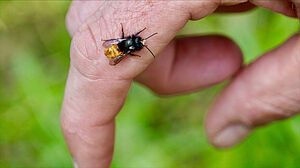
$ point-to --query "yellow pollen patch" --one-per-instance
(112, 51)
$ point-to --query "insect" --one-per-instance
(117, 49)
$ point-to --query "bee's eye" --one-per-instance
(138, 40)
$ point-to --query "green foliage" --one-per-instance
(151, 131)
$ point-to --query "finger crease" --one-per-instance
(94, 78)
(93, 36)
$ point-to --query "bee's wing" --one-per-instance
(116, 60)
(109, 43)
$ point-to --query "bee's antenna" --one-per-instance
(150, 51)
(140, 31)
(151, 36)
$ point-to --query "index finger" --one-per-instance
(95, 90)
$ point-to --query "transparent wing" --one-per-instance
(116, 60)
(109, 43)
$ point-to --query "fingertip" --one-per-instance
(231, 57)
(243, 7)
(191, 63)
(229, 136)
(262, 93)
(282, 7)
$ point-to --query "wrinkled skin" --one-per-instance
(265, 91)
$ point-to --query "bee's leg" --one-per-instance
(140, 31)
(123, 36)
(135, 55)
(150, 51)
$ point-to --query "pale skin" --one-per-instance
(267, 90)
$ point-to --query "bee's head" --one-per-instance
(139, 43)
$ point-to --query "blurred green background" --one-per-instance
(151, 131)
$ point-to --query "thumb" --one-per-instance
(265, 91)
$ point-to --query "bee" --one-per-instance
(117, 49)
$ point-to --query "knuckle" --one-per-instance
(263, 111)
(67, 126)
(85, 56)
(192, 8)
(85, 43)
(71, 130)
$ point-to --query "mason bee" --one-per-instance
(117, 49)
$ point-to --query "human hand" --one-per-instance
(96, 91)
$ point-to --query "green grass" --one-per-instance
(151, 131)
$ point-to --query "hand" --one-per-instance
(265, 91)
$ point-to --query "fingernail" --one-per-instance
(231, 135)
(75, 164)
